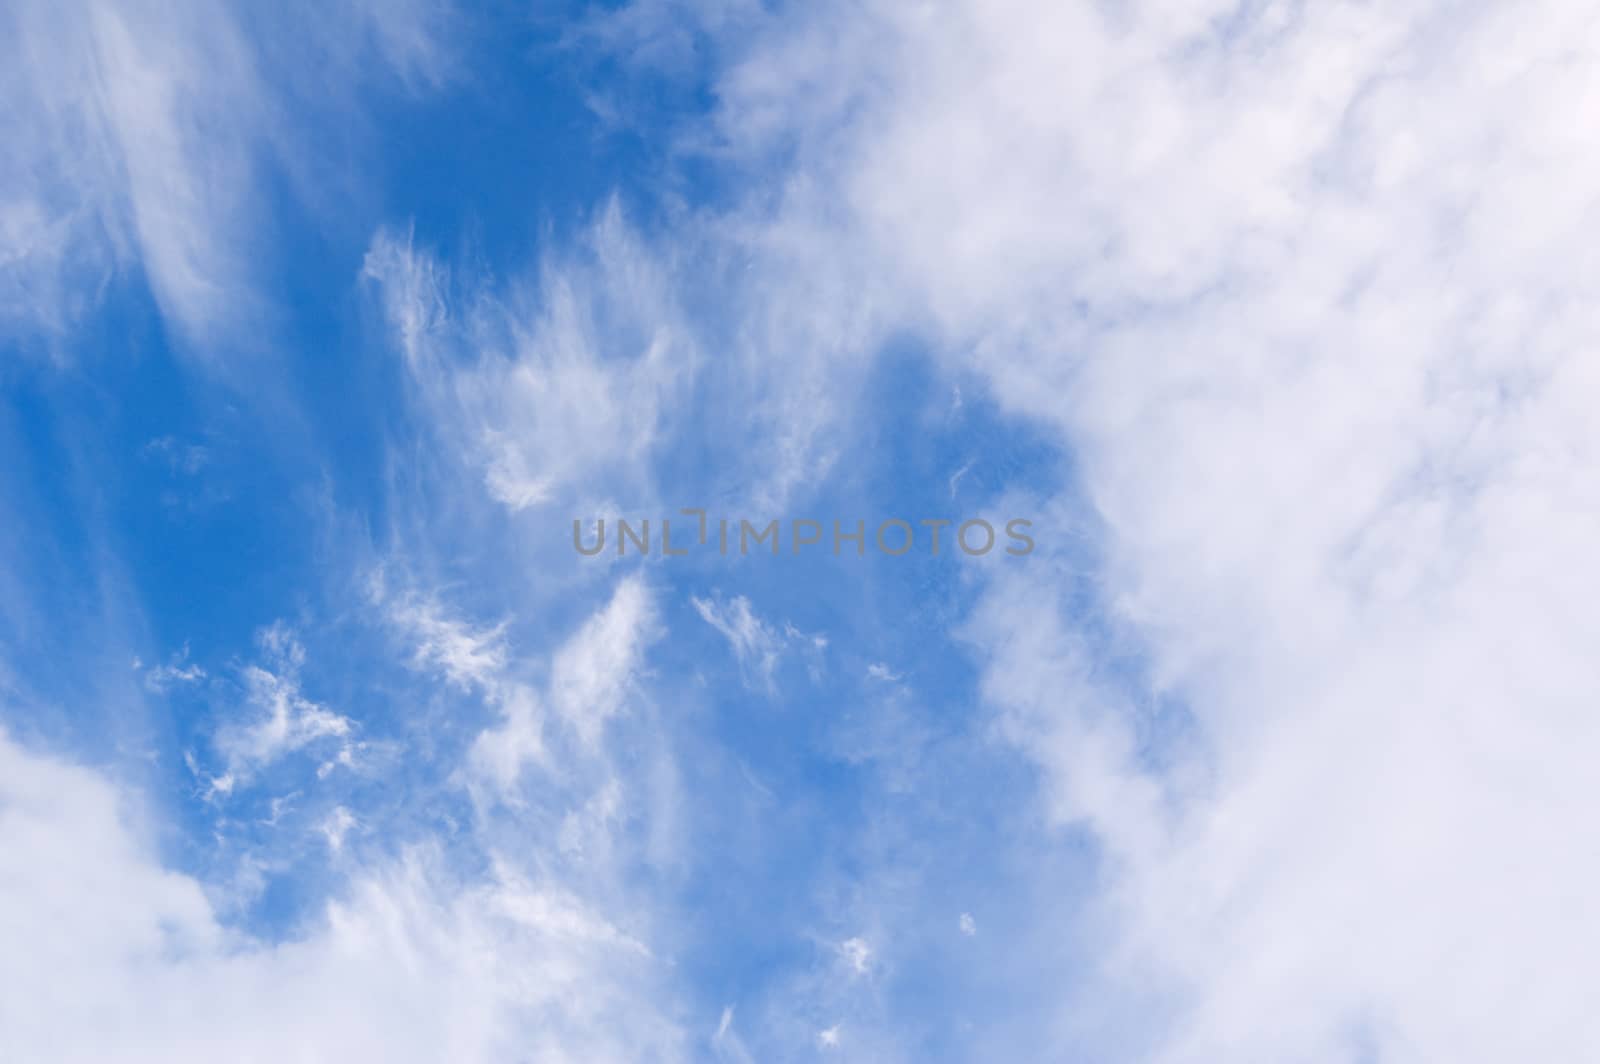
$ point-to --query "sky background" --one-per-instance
(321, 323)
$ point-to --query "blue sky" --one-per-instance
(320, 326)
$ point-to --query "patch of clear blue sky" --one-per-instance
(840, 781)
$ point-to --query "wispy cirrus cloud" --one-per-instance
(146, 137)
(277, 718)
(759, 646)
(591, 676)
(550, 388)
(530, 960)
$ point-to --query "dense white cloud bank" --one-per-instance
(1309, 292)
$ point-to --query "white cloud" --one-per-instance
(278, 719)
(113, 958)
(1308, 293)
(141, 134)
(516, 741)
(467, 656)
(175, 673)
(591, 677)
(726, 1043)
(755, 643)
(549, 386)
(758, 646)
(336, 827)
(955, 478)
(857, 954)
(594, 671)
(566, 388)
(285, 720)
(412, 958)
